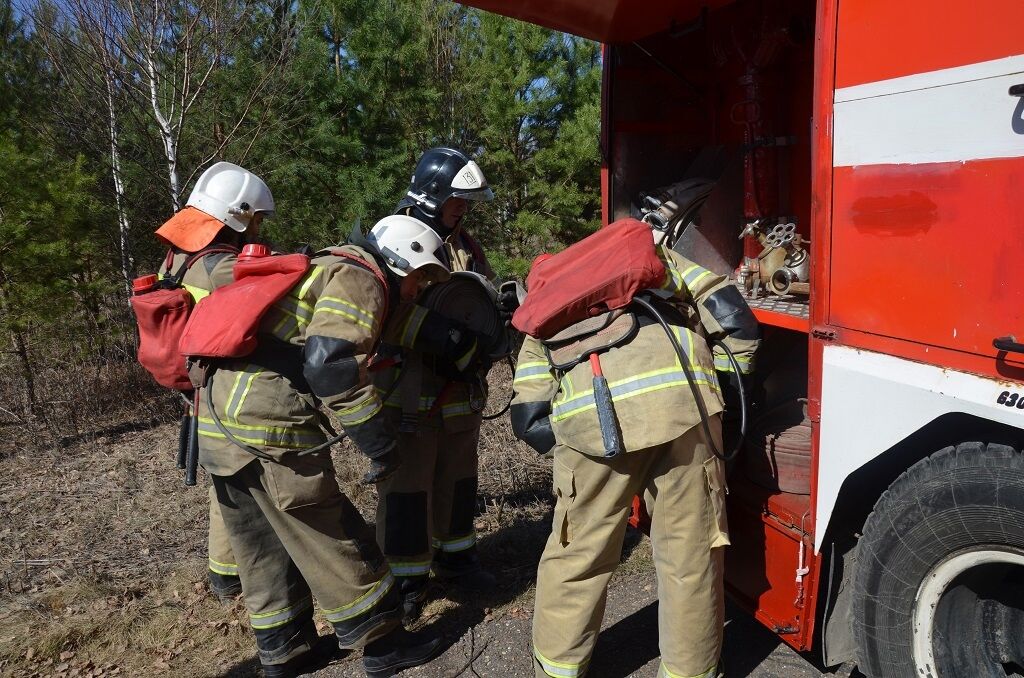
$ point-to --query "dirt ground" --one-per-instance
(102, 569)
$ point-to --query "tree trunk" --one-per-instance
(21, 350)
(167, 136)
(127, 263)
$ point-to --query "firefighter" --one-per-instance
(293, 532)
(426, 510)
(214, 221)
(667, 460)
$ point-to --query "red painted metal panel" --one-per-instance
(762, 563)
(881, 39)
(821, 233)
(930, 253)
(614, 21)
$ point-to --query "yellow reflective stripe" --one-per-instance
(364, 411)
(408, 569)
(663, 672)
(344, 305)
(351, 312)
(363, 602)
(198, 293)
(630, 388)
(532, 371)
(310, 277)
(272, 436)
(673, 279)
(270, 620)
(226, 569)
(457, 409)
(245, 394)
(558, 669)
(412, 326)
(694, 275)
(235, 392)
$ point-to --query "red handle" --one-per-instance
(595, 365)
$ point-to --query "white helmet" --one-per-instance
(407, 244)
(231, 194)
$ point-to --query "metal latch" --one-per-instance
(823, 333)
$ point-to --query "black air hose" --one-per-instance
(698, 399)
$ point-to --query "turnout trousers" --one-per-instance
(294, 533)
(221, 558)
(683, 488)
(426, 509)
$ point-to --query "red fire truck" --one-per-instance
(858, 165)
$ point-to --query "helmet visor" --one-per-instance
(484, 194)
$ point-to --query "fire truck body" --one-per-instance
(887, 527)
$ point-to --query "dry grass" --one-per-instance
(102, 549)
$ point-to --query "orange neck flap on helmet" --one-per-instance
(190, 230)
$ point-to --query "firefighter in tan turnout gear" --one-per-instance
(204, 239)
(293, 532)
(666, 460)
(425, 511)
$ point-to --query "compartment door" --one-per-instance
(928, 192)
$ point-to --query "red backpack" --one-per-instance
(601, 273)
(162, 309)
(226, 323)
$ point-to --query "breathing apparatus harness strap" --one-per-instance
(295, 376)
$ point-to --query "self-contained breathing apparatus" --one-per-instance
(585, 301)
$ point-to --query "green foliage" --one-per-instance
(331, 101)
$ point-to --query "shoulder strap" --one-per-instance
(474, 248)
(213, 249)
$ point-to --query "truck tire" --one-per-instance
(939, 581)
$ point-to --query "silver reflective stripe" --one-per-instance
(695, 274)
(456, 409)
(363, 603)
(346, 309)
(558, 669)
(271, 436)
(400, 569)
(456, 545)
(269, 620)
(412, 326)
(240, 389)
(532, 371)
(586, 400)
(362, 411)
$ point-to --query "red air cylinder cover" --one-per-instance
(144, 283)
(254, 251)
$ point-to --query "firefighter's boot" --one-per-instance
(413, 593)
(399, 650)
(462, 570)
(225, 586)
(294, 649)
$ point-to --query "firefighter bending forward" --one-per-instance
(204, 240)
(425, 511)
(292, 530)
(666, 460)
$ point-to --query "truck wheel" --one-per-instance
(939, 581)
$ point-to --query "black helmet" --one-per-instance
(444, 173)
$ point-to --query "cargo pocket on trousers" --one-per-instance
(298, 482)
(718, 523)
(565, 493)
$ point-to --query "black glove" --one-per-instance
(382, 466)
(464, 350)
